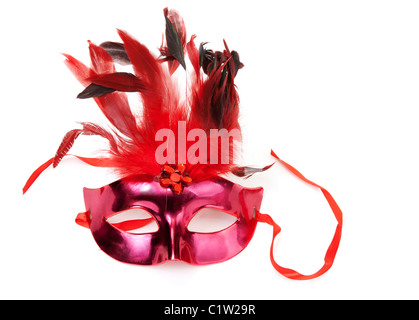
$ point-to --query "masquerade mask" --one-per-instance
(173, 240)
(172, 180)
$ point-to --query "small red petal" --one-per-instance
(175, 177)
(181, 168)
(168, 169)
(176, 188)
(186, 180)
(165, 182)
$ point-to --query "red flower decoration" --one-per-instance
(174, 177)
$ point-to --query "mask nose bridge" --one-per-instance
(173, 216)
(172, 232)
(176, 227)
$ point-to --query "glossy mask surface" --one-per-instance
(172, 240)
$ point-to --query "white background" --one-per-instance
(331, 86)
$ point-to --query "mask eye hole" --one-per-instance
(209, 220)
(135, 221)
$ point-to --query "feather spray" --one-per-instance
(212, 101)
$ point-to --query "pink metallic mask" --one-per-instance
(173, 240)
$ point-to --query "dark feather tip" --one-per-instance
(94, 90)
(174, 44)
(117, 51)
(247, 172)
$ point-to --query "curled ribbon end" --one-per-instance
(36, 174)
(274, 155)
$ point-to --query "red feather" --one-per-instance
(94, 129)
(193, 55)
(102, 62)
(120, 81)
(159, 96)
(79, 70)
(65, 145)
(145, 65)
(174, 41)
(115, 105)
(177, 21)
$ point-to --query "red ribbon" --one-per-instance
(333, 247)
(96, 162)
